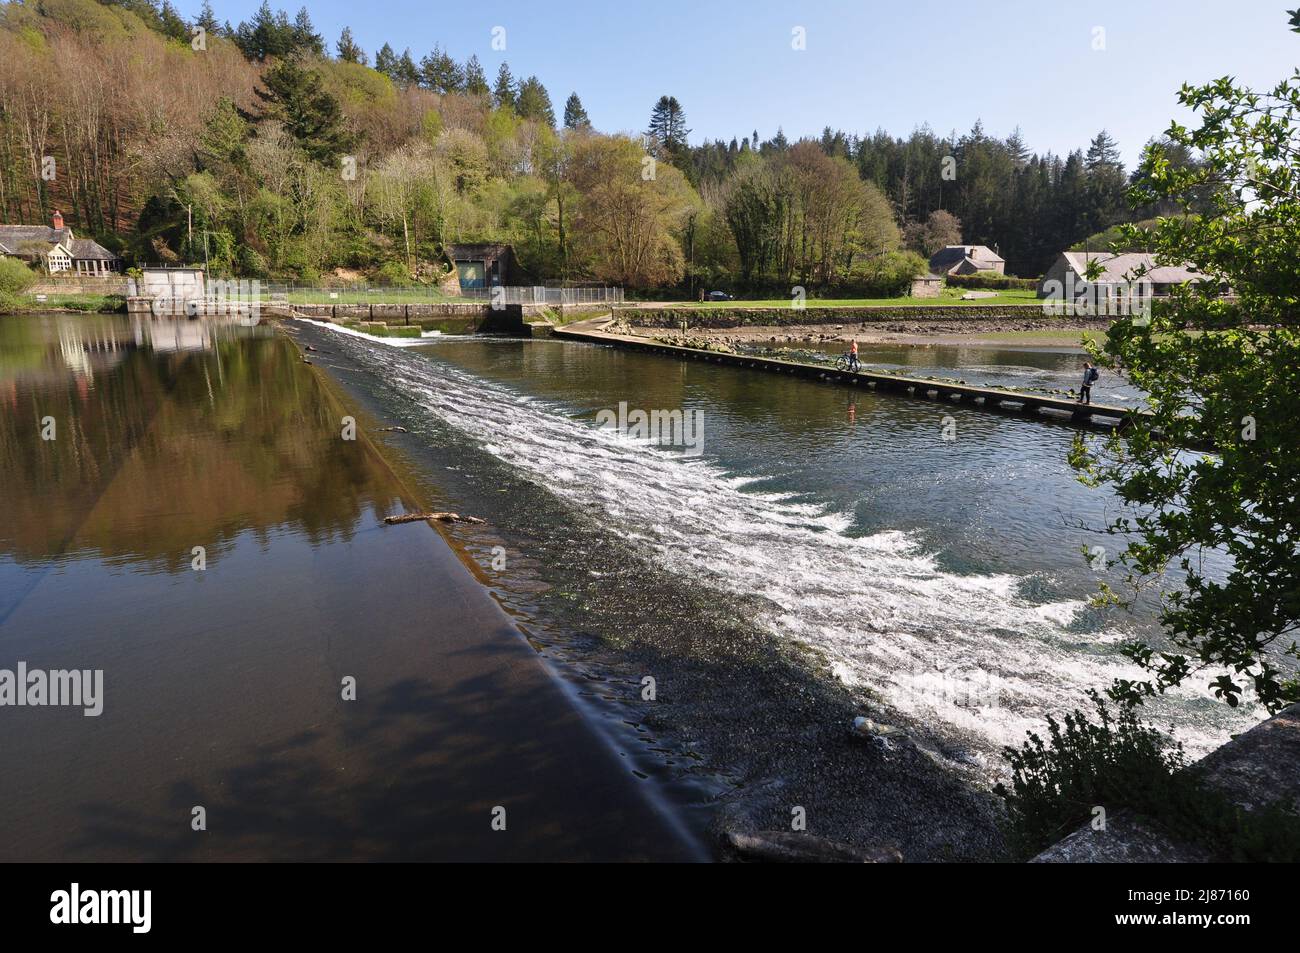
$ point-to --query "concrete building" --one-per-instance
(484, 265)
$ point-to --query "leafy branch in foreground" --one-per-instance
(1221, 371)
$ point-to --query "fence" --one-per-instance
(363, 293)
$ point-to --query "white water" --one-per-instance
(969, 652)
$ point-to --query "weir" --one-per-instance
(997, 400)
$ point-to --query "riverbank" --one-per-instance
(993, 333)
(74, 303)
(1023, 326)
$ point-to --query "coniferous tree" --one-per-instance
(575, 116)
(305, 37)
(172, 24)
(668, 124)
(348, 49)
(534, 102)
(296, 97)
(475, 81)
(440, 73)
(406, 72)
(208, 20)
(386, 62)
(503, 93)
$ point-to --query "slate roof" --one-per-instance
(16, 235)
(15, 239)
(946, 259)
(87, 249)
(1117, 268)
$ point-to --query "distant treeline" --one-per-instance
(265, 151)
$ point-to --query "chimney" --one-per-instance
(58, 219)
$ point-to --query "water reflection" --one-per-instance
(167, 435)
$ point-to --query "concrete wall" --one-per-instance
(448, 318)
(182, 284)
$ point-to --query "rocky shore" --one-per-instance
(1041, 332)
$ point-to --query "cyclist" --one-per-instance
(853, 356)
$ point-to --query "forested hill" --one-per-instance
(298, 157)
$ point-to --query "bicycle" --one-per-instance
(845, 362)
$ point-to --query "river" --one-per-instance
(828, 551)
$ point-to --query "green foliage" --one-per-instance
(1117, 762)
(440, 73)
(15, 277)
(504, 92)
(270, 34)
(294, 97)
(990, 281)
(1222, 372)
(348, 49)
(886, 276)
(533, 102)
(394, 273)
(1119, 238)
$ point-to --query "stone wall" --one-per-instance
(73, 286)
(1028, 317)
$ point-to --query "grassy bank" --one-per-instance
(89, 303)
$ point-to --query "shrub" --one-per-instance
(393, 273)
(1118, 762)
(15, 277)
(991, 281)
(886, 276)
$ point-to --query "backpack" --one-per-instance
(1093, 374)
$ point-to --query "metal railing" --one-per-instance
(365, 293)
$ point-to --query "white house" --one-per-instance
(56, 249)
(1071, 270)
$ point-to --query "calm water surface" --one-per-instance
(222, 682)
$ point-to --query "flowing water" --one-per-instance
(947, 576)
(945, 579)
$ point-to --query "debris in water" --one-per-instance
(393, 430)
(440, 517)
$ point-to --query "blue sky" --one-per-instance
(867, 64)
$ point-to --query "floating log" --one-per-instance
(393, 430)
(440, 517)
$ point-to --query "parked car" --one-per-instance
(720, 296)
